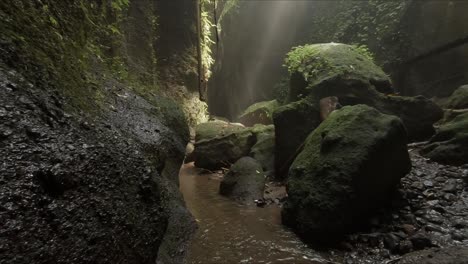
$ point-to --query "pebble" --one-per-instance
(428, 183)
(421, 241)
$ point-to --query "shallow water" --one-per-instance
(233, 233)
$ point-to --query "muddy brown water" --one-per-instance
(232, 233)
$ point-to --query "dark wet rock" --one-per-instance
(245, 181)
(404, 247)
(452, 255)
(74, 194)
(459, 98)
(408, 229)
(391, 242)
(343, 173)
(293, 123)
(259, 113)
(450, 144)
(421, 241)
(345, 72)
(219, 144)
(264, 149)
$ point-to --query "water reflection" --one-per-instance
(233, 233)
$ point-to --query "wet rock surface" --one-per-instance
(452, 255)
(450, 144)
(75, 189)
(459, 98)
(264, 149)
(348, 168)
(293, 123)
(259, 113)
(244, 182)
(428, 211)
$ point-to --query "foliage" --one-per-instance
(208, 27)
(206, 41)
(374, 23)
(312, 60)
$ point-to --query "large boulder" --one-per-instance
(348, 72)
(459, 98)
(450, 144)
(264, 149)
(349, 166)
(259, 113)
(244, 182)
(219, 144)
(216, 128)
(293, 123)
(332, 64)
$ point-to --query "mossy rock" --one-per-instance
(348, 72)
(244, 182)
(349, 167)
(459, 98)
(293, 123)
(219, 144)
(259, 113)
(450, 144)
(216, 128)
(264, 149)
(323, 65)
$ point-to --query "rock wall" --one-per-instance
(430, 25)
(93, 131)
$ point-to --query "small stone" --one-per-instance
(449, 197)
(417, 186)
(451, 187)
(408, 229)
(421, 241)
(405, 247)
(459, 236)
(434, 228)
(390, 242)
(428, 183)
(460, 223)
(71, 147)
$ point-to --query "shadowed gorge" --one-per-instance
(229, 131)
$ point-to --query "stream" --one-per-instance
(232, 233)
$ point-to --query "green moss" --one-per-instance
(259, 113)
(215, 129)
(459, 98)
(450, 144)
(318, 62)
(267, 107)
(344, 171)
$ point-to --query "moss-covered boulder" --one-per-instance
(332, 63)
(264, 149)
(459, 98)
(349, 166)
(348, 72)
(259, 113)
(293, 123)
(244, 182)
(219, 144)
(450, 144)
(216, 128)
